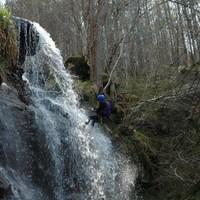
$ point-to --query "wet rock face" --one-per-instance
(27, 38)
(22, 144)
(13, 116)
(5, 188)
(15, 80)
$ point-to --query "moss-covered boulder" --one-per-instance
(86, 91)
(78, 66)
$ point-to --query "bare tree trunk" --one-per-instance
(196, 30)
(190, 36)
(92, 39)
(169, 23)
(185, 60)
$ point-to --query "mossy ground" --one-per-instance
(86, 91)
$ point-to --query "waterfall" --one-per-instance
(67, 160)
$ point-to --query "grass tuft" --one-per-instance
(8, 39)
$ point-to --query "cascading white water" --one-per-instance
(83, 162)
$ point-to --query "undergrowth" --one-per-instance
(8, 41)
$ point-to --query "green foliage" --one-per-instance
(5, 18)
(151, 85)
(144, 141)
(139, 87)
(86, 90)
(8, 41)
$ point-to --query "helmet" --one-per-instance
(101, 98)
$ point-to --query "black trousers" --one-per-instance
(94, 119)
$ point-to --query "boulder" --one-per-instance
(78, 66)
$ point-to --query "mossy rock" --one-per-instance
(78, 66)
(87, 92)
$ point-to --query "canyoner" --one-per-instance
(102, 112)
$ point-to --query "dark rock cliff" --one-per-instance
(18, 126)
(27, 39)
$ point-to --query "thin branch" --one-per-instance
(117, 44)
(121, 41)
(114, 67)
(176, 174)
(181, 158)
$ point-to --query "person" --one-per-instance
(102, 112)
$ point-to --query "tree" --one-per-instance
(153, 33)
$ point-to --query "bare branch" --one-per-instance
(181, 158)
(115, 65)
(176, 174)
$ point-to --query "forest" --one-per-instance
(144, 55)
(138, 37)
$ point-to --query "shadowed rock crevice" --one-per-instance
(27, 39)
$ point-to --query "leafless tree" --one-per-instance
(152, 33)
